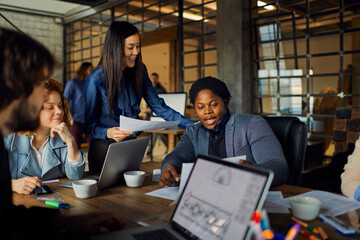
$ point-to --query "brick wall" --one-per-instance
(47, 30)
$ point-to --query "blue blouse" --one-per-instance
(97, 116)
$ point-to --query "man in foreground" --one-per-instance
(25, 64)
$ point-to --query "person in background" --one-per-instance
(115, 88)
(146, 111)
(350, 178)
(75, 93)
(224, 134)
(154, 77)
(24, 66)
(49, 152)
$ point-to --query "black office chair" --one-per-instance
(292, 135)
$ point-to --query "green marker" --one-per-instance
(55, 204)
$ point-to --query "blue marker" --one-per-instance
(55, 204)
(265, 226)
(339, 226)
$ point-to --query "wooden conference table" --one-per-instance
(133, 205)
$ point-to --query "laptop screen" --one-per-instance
(219, 199)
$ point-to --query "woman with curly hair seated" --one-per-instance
(50, 151)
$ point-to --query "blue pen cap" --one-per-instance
(64, 205)
(279, 236)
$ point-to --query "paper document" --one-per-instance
(332, 204)
(156, 175)
(67, 184)
(167, 193)
(185, 172)
(131, 124)
(275, 203)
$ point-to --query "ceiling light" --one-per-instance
(260, 3)
(269, 7)
(264, 4)
(191, 16)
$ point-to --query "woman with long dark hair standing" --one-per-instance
(115, 88)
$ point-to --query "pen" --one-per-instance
(50, 181)
(309, 236)
(55, 204)
(293, 232)
(322, 233)
(305, 225)
(44, 182)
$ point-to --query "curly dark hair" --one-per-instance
(217, 86)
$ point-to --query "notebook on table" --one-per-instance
(120, 157)
(218, 202)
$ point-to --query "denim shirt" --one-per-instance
(97, 116)
(75, 94)
(55, 163)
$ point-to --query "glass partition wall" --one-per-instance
(306, 54)
(192, 53)
(199, 41)
(306, 61)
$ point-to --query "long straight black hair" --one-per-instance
(111, 60)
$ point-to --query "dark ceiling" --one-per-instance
(92, 3)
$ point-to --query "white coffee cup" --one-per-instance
(84, 188)
(134, 178)
(305, 208)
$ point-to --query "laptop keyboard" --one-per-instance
(158, 234)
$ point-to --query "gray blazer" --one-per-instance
(248, 135)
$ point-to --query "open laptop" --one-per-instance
(120, 157)
(218, 202)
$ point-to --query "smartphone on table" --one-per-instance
(45, 189)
